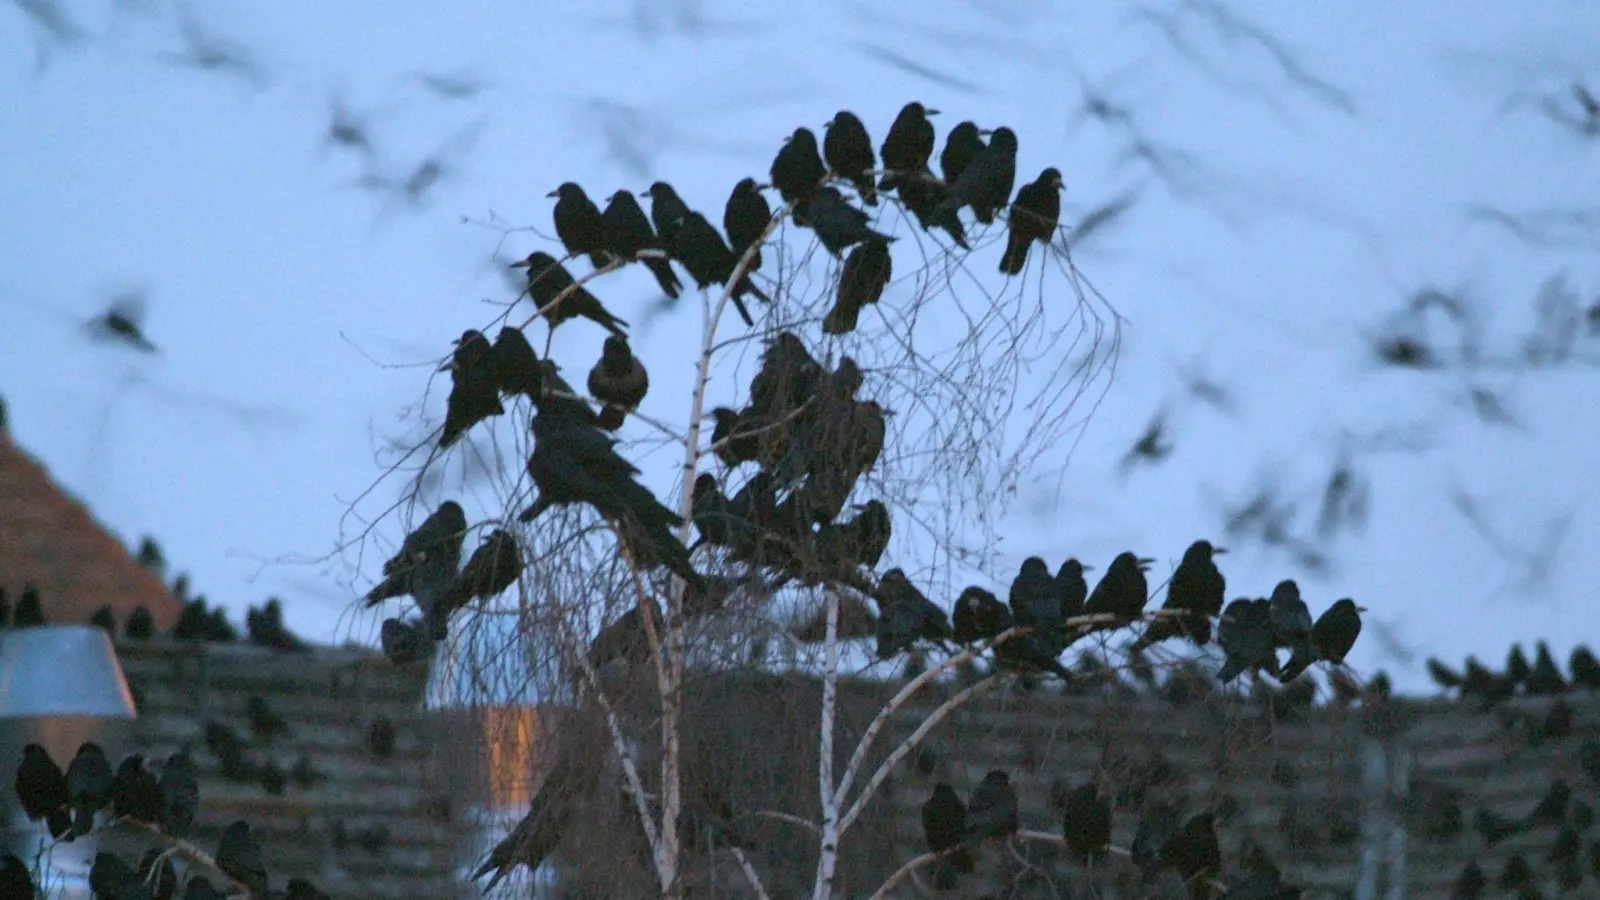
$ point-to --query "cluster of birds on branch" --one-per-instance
(1541, 678)
(90, 795)
(1162, 841)
(1558, 812)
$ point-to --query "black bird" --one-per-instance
(1195, 854)
(625, 231)
(797, 170)
(626, 638)
(696, 243)
(925, 197)
(1443, 675)
(1471, 883)
(494, 566)
(708, 507)
(240, 859)
(848, 151)
(548, 279)
(265, 722)
(907, 146)
(745, 219)
(962, 145)
(30, 609)
(1291, 625)
(1123, 591)
(906, 615)
(992, 808)
(1494, 828)
(575, 462)
(618, 378)
(180, 794)
(474, 386)
(979, 616)
(516, 365)
(16, 883)
(405, 643)
(265, 627)
(866, 273)
(944, 824)
(1585, 668)
(1245, 636)
(579, 225)
(40, 785)
(1072, 588)
(135, 793)
(1333, 635)
(1034, 216)
(837, 224)
(1517, 668)
(571, 781)
(1035, 601)
(986, 184)
(381, 735)
(1087, 824)
(112, 879)
(788, 377)
(1545, 679)
(729, 433)
(1195, 593)
(107, 621)
(428, 560)
(667, 210)
(88, 786)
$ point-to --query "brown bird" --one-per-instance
(619, 378)
(494, 566)
(1034, 216)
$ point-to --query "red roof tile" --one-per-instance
(49, 539)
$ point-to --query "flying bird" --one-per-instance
(121, 323)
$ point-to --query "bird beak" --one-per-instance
(644, 193)
(985, 132)
(448, 365)
(887, 412)
(1361, 609)
(1216, 550)
(763, 187)
(930, 112)
(552, 193)
(1146, 562)
(524, 264)
(1087, 568)
(828, 124)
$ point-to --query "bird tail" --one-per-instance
(387, 588)
(864, 186)
(1300, 660)
(532, 512)
(615, 325)
(743, 312)
(662, 270)
(984, 214)
(841, 319)
(611, 417)
(1016, 256)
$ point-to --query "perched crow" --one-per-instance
(1158, 825)
(88, 786)
(1195, 855)
(40, 785)
(1034, 216)
(907, 146)
(240, 859)
(625, 231)
(107, 621)
(571, 781)
(797, 170)
(1442, 675)
(1585, 668)
(266, 629)
(1196, 593)
(979, 616)
(1545, 678)
(838, 224)
(625, 638)
(848, 151)
(135, 793)
(1291, 624)
(141, 626)
(745, 219)
(1123, 590)
(667, 210)
(428, 560)
(1246, 638)
(474, 386)
(1072, 588)
(113, 879)
(405, 643)
(992, 808)
(925, 198)
(1332, 636)
(619, 379)
(944, 825)
(516, 365)
(30, 609)
(16, 882)
(986, 184)
(579, 224)
(180, 794)
(494, 566)
(696, 244)
(865, 274)
(906, 615)
(962, 145)
(1087, 824)
(549, 280)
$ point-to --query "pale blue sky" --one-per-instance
(1300, 201)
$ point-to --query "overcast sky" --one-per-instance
(1292, 177)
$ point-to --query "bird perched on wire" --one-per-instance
(1034, 216)
(579, 224)
(428, 561)
(986, 183)
(619, 379)
(847, 149)
(625, 231)
(797, 170)
(548, 280)
(474, 386)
